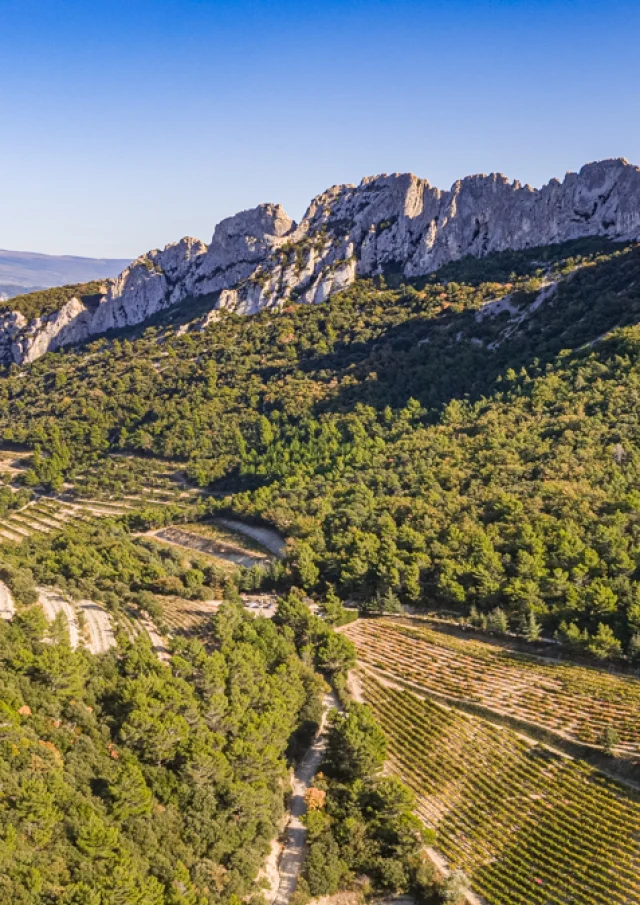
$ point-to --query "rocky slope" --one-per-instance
(261, 258)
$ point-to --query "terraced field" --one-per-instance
(193, 617)
(200, 539)
(91, 626)
(128, 476)
(187, 617)
(47, 514)
(574, 702)
(117, 485)
(528, 826)
(240, 535)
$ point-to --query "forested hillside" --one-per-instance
(162, 780)
(124, 781)
(470, 440)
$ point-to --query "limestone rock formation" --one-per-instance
(261, 258)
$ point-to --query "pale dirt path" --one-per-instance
(101, 634)
(294, 849)
(7, 605)
(265, 536)
(53, 603)
(157, 641)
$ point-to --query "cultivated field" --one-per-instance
(193, 617)
(201, 539)
(529, 826)
(575, 702)
(116, 486)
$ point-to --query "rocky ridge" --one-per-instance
(262, 259)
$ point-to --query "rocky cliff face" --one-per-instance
(261, 258)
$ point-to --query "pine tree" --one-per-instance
(533, 631)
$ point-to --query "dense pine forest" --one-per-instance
(123, 781)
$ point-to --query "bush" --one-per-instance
(21, 584)
(324, 868)
(455, 888)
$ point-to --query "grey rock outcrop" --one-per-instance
(261, 258)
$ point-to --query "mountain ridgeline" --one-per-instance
(396, 225)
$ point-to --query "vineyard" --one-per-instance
(218, 532)
(573, 701)
(529, 826)
(46, 515)
(186, 617)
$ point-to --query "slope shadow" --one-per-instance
(456, 355)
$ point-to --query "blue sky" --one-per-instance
(126, 125)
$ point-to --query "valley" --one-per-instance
(320, 512)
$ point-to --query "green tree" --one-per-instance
(604, 643)
(356, 745)
(609, 739)
(335, 653)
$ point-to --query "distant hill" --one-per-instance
(26, 271)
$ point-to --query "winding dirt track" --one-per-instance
(295, 845)
(101, 634)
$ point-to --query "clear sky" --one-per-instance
(126, 125)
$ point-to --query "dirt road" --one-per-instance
(294, 850)
(101, 635)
